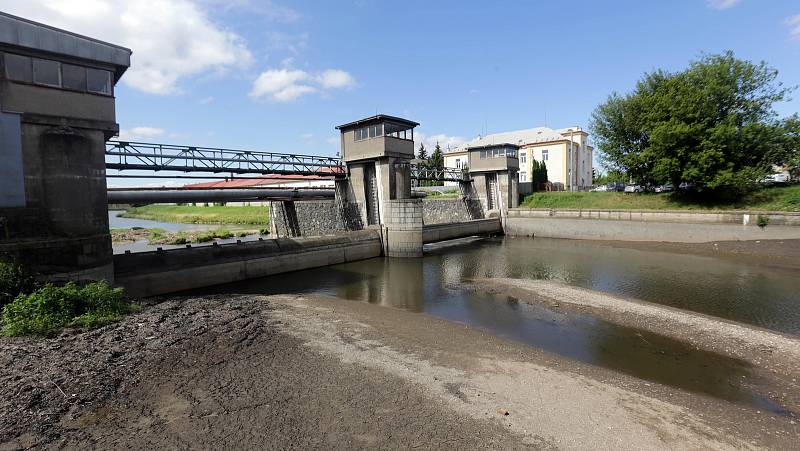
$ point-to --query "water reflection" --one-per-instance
(435, 285)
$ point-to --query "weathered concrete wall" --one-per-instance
(403, 228)
(671, 216)
(605, 229)
(315, 218)
(441, 232)
(441, 211)
(158, 272)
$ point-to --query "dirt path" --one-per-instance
(313, 373)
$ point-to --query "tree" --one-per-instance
(437, 157)
(712, 124)
(436, 161)
(422, 154)
(538, 174)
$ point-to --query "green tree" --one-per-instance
(422, 154)
(712, 124)
(436, 161)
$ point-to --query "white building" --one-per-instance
(565, 151)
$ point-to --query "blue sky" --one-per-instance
(279, 76)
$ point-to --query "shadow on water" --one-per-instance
(434, 285)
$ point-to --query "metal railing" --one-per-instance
(123, 155)
(421, 172)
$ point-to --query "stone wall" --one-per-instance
(442, 211)
(314, 218)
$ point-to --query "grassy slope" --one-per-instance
(769, 199)
(258, 216)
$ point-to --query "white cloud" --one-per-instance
(170, 39)
(335, 78)
(721, 4)
(264, 8)
(794, 24)
(206, 100)
(140, 133)
(285, 85)
(445, 141)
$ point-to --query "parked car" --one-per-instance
(668, 188)
(601, 188)
(777, 178)
(633, 188)
(686, 186)
(616, 186)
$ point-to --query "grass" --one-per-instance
(189, 214)
(446, 194)
(785, 198)
(51, 307)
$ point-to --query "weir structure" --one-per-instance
(57, 110)
(57, 118)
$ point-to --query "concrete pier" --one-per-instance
(56, 112)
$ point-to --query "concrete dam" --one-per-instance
(56, 145)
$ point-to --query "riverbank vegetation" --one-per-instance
(713, 124)
(767, 199)
(444, 194)
(161, 236)
(190, 214)
(52, 307)
(28, 307)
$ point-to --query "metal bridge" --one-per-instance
(139, 156)
(123, 155)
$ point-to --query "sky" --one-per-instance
(278, 76)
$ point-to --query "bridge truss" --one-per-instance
(123, 155)
(139, 156)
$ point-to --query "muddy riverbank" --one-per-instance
(311, 372)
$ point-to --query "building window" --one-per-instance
(98, 81)
(458, 163)
(47, 72)
(73, 77)
(523, 158)
(18, 68)
(523, 176)
(544, 155)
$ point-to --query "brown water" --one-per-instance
(434, 285)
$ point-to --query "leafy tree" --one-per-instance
(712, 124)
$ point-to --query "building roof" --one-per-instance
(27, 34)
(519, 137)
(378, 118)
(265, 180)
(500, 144)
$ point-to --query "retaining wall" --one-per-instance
(638, 225)
(441, 211)
(159, 272)
(440, 232)
(316, 218)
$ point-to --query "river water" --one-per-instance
(435, 285)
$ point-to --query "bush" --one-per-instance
(14, 280)
(762, 221)
(53, 307)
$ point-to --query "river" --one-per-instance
(435, 285)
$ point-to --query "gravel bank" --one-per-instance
(314, 373)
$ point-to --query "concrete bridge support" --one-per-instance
(377, 151)
(53, 205)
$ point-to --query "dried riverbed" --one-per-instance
(310, 372)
